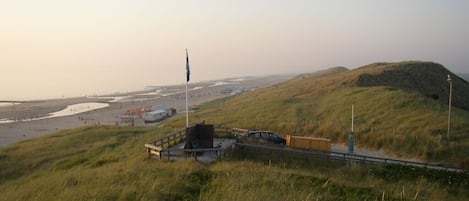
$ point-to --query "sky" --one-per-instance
(66, 48)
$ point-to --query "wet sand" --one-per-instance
(204, 91)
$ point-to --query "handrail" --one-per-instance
(181, 133)
(354, 157)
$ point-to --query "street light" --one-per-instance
(449, 105)
(351, 138)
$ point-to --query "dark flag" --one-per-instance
(188, 71)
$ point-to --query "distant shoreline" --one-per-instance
(124, 92)
(204, 91)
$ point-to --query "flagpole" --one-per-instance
(187, 83)
(187, 109)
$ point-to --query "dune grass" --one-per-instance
(403, 123)
(91, 163)
(266, 178)
(110, 163)
(96, 163)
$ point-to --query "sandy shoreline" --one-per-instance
(203, 92)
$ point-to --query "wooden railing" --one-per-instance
(161, 146)
(194, 153)
(230, 132)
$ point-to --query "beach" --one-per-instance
(30, 119)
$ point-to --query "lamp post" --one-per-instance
(449, 105)
(351, 137)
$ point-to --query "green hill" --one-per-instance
(399, 107)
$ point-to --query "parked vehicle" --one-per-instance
(266, 136)
(158, 115)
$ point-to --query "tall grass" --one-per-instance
(92, 163)
(262, 176)
(110, 163)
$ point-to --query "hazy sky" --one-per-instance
(55, 48)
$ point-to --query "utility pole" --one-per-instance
(449, 106)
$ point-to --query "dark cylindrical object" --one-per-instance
(351, 142)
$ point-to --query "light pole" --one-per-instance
(351, 138)
(449, 105)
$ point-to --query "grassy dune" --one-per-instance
(402, 122)
(109, 163)
(92, 163)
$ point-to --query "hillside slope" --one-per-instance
(426, 78)
(393, 113)
(465, 76)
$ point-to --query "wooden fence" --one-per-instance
(161, 146)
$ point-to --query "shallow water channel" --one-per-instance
(70, 110)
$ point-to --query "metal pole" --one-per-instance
(351, 137)
(187, 83)
(187, 109)
(352, 118)
(449, 105)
